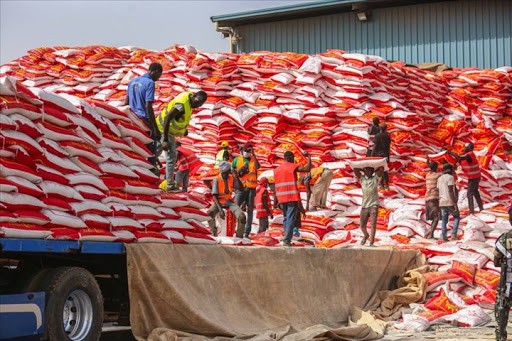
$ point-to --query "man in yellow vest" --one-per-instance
(319, 178)
(245, 169)
(223, 154)
(173, 121)
(222, 191)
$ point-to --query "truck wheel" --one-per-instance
(74, 305)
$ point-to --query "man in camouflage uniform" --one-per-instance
(503, 259)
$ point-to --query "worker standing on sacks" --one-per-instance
(140, 96)
(263, 204)
(320, 181)
(222, 191)
(369, 179)
(245, 169)
(173, 122)
(287, 192)
(471, 169)
(223, 154)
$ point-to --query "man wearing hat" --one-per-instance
(222, 191)
(448, 201)
(223, 154)
(245, 169)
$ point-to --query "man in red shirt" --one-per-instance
(471, 169)
(263, 204)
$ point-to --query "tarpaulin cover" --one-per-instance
(259, 293)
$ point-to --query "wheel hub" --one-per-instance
(77, 315)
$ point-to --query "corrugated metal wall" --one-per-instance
(463, 33)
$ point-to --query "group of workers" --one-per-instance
(241, 175)
(441, 195)
(237, 187)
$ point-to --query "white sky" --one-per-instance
(25, 25)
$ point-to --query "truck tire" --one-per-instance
(74, 305)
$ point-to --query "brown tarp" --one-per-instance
(412, 287)
(433, 67)
(258, 293)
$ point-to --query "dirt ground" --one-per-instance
(442, 332)
(447, 332)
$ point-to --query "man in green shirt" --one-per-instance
(369, 180)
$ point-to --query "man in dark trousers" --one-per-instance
(503, 259)
(245, 168)
(471, 169)
(448, 202)
(432, 209)
(287, 192)
(140, 95)
(382, 148)
(373, 130)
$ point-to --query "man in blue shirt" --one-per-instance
(140, 96)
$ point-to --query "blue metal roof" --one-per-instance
(309, 9)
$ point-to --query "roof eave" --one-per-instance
(306, 10)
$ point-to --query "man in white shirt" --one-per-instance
(370, 206)
(448, 201)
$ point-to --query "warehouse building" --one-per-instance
(459, 33)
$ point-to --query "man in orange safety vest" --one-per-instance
(222, 191)
(287, 192)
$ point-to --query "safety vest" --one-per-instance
(315, 174)
(472, 170)
(219, 158)
(249, 180)
(177, 127)
(223, 197)
(188, 160)
(261, 212)
(286, 183)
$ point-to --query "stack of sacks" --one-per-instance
(456, 295)
(319, 103)
(74, 166)
(484, 98)
(77, 169)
